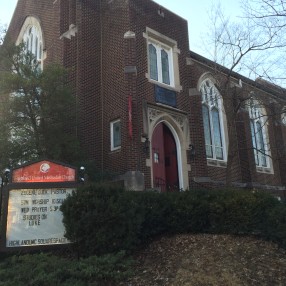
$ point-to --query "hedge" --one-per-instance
(105, 219)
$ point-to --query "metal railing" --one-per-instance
(164, 186)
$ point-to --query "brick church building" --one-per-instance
(148, 108)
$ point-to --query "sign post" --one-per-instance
(32, 200)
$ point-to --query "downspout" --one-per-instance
(101, 86)
(77, 76)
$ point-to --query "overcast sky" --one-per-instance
(196, 12)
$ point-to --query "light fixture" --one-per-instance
(147, 146)
(192, 152)
(6, 176)
(81, 174)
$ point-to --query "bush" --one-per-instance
(189, 212)
(46, 269)
(103, 219)
(155, 210)
(274, 226)
(239, 211)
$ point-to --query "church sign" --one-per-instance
(32, 201)
(43, 172)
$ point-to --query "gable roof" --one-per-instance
(264, 85)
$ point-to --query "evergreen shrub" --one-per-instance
(46, 269)
(102, 219)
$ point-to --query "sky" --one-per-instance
(196, 12)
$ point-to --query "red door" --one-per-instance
(164, 156)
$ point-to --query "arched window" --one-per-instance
(32, 40)
(212, 120)
(259, 134)
(31, 35)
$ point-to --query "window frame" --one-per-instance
(259, 135)
(160, 47)
(32, 40)
(162, 42)
(31, 35)
(112, 135)
(283, 116)
(212, 101)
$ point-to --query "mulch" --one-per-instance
(206, 260)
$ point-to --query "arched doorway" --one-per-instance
(164, 159)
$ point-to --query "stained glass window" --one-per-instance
(207, 132)
(258, 134)
(217, 134)
(212, 120)
(160, 63)
(153, 62)
(165, 67)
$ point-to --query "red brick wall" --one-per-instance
(145, 14)
(97, 57)
(244, 168)
(49, 16)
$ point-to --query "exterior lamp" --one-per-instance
(147, 146)
(192, 152)
(6, 175)
(81, 174)
(4, 181)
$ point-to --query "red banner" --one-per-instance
(43, 172)
(130, 129)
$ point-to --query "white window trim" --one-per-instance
(24, 36)
(160, 46)
(223, 125)
(170, 46)
(283, 116)
(265, 135)
(114, 148)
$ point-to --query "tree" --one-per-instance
(37, 109)
(269, 18)
(244, 45)
(245, 48)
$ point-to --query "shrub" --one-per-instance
(274, 226)
(155, 210)
(239, 211)
(46, 269)
(103, 219)
(188, 212)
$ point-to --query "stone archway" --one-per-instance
(174, 129)
(164, 159)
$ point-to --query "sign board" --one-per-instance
(43, 172)
(34, 217)
(32, 204)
